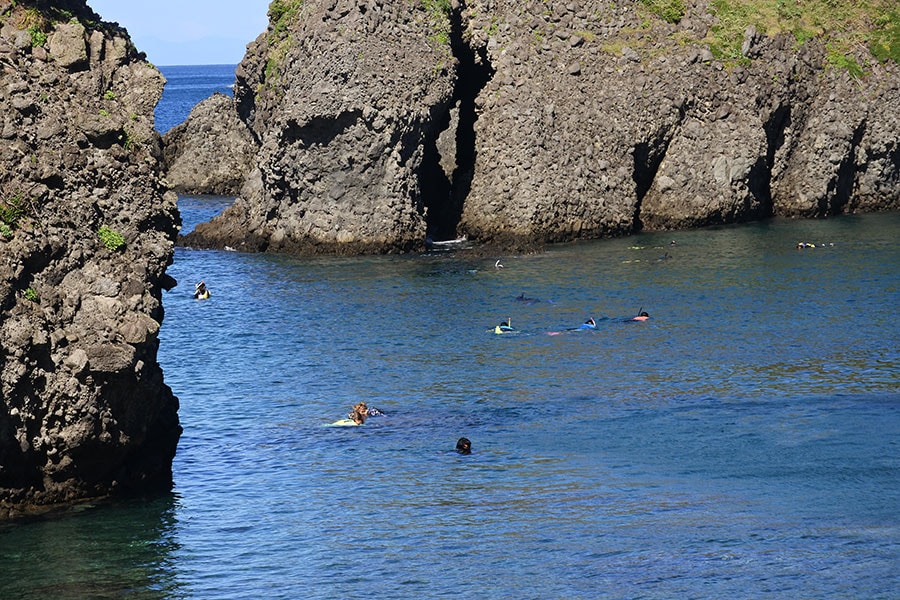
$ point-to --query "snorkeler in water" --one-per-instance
(201, 292)
(589, 324)
(504, 327)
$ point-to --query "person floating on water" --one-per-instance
(359, 414)
(201, 292)
(589, 324)
(642, 316)
(504, 327)
(374, 412)
(464, 446)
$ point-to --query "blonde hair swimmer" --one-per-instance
(201, 292)
(358, 415)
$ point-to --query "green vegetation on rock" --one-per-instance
(842, 24)
(282, 13)
(437, 8)
(670, 11)
(38, 37)
(885, 40)
(439, 15)
(12, 211)
(113, 240)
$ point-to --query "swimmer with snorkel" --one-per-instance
(641, 316)
(201, 292)
(589, 324)
(504, 327)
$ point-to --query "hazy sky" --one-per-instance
(188, 32)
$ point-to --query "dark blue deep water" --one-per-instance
(742, 443)
(188, 85)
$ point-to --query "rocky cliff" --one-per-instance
(606, 123)
(87, 230)
(212, 152)
(346, 100)
(382, 124)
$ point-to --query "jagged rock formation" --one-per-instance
(508, 121)
(87, 230)
(577, 140)
(211, 152)
(346, 100)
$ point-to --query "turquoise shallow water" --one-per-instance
(743, 442)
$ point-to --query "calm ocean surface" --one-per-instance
(742, 443)
(188, 85)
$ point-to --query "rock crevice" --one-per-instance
(521, 123)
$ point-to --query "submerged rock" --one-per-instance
(87, 229)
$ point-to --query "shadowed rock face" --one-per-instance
(86, 233)
(510, 121)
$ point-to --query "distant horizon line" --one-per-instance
(201, 65)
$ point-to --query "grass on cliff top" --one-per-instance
(844, 25)
(282, 13)
(39, 18)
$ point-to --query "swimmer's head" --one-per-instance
(464, 446)
(359, 413)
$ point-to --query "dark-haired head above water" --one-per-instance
(464, 446)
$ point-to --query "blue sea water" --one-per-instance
(186, 85)
(744, 442)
